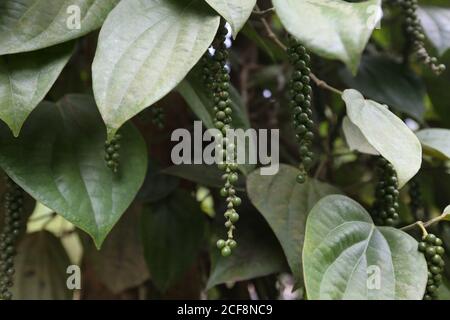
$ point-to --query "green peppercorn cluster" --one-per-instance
(416, 203)
(158, 117)
(416, 35)
(386, 195)
(112, 155)
(431, 247)
(300, 104)
(217, 79)
(9, 237)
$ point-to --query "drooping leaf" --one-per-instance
(59, 160)
(389, 82)
(333, 29)
(28, 25)
(434, 21)
(172, 232)
(287, 211)
(258, 252)
(235, 12)
(41, 265)
(155, 44)
(26, 78)
(435, 142)
(387, 133)
(346, 256)
(355, 139)
(120, 263)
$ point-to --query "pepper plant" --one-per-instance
(94, 93)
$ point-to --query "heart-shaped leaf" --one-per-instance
(434, 21)
(172, 232)
(355, 139)
(35, 24)
(41, 266)
(26, 78)
(236, 12)
(59, 160)
(287, 211)
(346, 256)
(389, 82)
(333, 29)
(386, 133)
(435, 142)
(145, 49)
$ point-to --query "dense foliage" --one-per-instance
(359, 91)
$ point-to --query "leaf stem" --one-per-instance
(271, 35)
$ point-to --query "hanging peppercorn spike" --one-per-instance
(300, 104)
(431, 247)
(13, 223)
(416, 35)
(112, 155)
(416, 202)
(217, 80)
(386, 195)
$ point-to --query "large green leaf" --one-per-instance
(172, 231)
(287, 211)
(345, 253)
(236, 12)
(435, 141)
(435, 24)
(386, 133)
(28, 25)
(334, 29)
(258, 252)
(145, 49)
(41, 266)
(26, 78)
(389, 82)
(59, 160)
